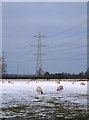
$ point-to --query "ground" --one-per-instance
(20, 101)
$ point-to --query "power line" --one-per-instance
(64, 50)
(23, 48)
(26, 61)
(68, 57)
(32, 51)
(67, 30)
(58, 39)
(62, 60)
(63, 44)
(23, 64)
(20, 57)
(71, 35)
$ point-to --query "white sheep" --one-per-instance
(73, 82)
(59, 88)
(82, 83)
(3, 81)
(39, 90)
(9, 81)
(58, 81)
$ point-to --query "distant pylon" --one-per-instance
(4, 66)
(39, 70)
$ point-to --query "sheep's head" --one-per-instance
(41, 92)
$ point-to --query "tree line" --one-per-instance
(47, 75)
(81, 75)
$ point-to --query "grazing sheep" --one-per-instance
(36, 81)
(9, 81)
(39, 90)
(58, 81)
(3, 81)
(27, 82)
(82, 83)
(72, 82)
(12, 82)
(59, 88)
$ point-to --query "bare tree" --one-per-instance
(0, 64)
(3, 65)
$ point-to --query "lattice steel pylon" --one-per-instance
(39, 70)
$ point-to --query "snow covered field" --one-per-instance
(19, 93)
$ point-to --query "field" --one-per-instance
(20, 101)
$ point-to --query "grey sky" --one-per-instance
(21, 21)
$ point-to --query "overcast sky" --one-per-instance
(21, 21)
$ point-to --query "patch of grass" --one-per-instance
(53, 102)
(56, 110)
(15, 109)
(3, 119)
(82, 116)
(31, 113)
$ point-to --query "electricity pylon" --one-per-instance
(4, 66)
(39, 70)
